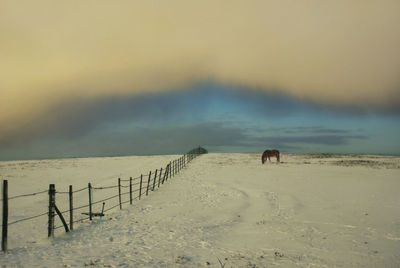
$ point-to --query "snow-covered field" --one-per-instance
(222, 210)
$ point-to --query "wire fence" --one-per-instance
(136, 188)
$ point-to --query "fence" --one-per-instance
(136, 188)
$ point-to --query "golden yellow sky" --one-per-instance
(341, 52)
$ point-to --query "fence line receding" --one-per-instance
(136, 187)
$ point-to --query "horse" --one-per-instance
(268, 154)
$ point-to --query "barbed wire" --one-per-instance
(26, 195)
(163, 176)
(84, 206)
(133, 179)
(108, 198)
(28, 218)
(105, 187)
(76, 191)
(126, 201)
(111, 207)
(81, 220)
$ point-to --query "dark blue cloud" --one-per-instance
(216, 136)
(313, 139)
(77, 117)
(223, 117)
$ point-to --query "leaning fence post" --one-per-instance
(148, 183)
(170, 170)
(165, 174)
(71, 209)
(130, 190)
(159, 178)
(5, 217)
(119, 193)
(154, 182)
(52, 197)
(90, 200)
(140, 189)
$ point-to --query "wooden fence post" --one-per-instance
(119, 193)
(71, 209)
(159, 178)
(148, 183)
(5, 217)
(170, 170)
(154, 182)
(52, 197)
(130, 190)
(90, 200)
(140, 189)
(165, 174)
(61, 218)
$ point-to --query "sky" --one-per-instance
(105, 78)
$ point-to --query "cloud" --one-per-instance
(207, 102)
(74, 118)
(342, 53)
(313, 139)
(314, 130)
(131, 141)
(159, 139)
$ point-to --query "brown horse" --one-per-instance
(268, 154)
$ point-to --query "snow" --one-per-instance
(221, 210)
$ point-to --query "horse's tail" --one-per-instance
(262, 159)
